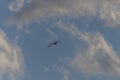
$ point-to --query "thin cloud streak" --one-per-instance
(53, 36)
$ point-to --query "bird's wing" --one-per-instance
(54, 43)
(50, 45)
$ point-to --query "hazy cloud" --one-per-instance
(60, 69)
(53, 35)
(64, 71)
(16, 5)
(69, 28)
(45, 68)
(107, 10)
(11, 59)
(99, 58)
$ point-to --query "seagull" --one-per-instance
(54, 43)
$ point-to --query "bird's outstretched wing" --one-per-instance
(50, 45)
(54, 43)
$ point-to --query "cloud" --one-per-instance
(11, 59)
(99, 58)
(69, 28)
(45, 68)
(53, 35)
(64, 71)
(16, 5)
(60, 69)
(66, 74)
(107, 10)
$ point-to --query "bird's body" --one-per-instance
(54, 43)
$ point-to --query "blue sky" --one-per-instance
(89, 34)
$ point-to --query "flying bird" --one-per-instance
(54, 43)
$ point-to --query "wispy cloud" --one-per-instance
(16, 5)
(45, 68)
(64, 71)
(98, 57)
(53, 35)
(107, 10)
(60, 69)
(11, 58)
